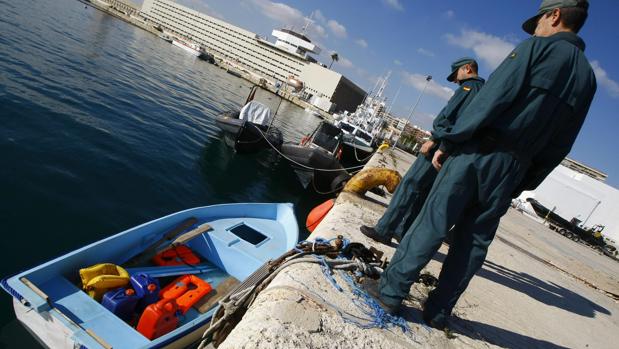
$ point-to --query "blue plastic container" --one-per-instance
(146, 288)
(121, 302)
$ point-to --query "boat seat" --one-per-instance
(89, 314)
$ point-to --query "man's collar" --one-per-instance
(571, 38)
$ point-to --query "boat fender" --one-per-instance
(186, 291)
(158, 319)
(100, 278)
(371, 178)
(176, 255)
(317, 214)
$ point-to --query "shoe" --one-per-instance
(372, 234)
(432, 321)
(371, 287)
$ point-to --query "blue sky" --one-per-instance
(416, 38)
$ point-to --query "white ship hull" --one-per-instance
(186, 47)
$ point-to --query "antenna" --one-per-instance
(308, 22)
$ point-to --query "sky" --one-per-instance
(415, 38)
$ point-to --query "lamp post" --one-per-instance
(428, 79)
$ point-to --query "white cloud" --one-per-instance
(397, 62)
(318, 30)
(338, 29)
(611, 86)
(345, 63)
(425, 52)
(280, 12)
(319, 16)
(395, 4)
(489, 48)
(449, 14)
(362, 43)
(418, 81)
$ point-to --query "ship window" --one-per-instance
(248, 234)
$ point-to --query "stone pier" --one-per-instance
(537, 289)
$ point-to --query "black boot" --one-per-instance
(372, 234)
(371, 287)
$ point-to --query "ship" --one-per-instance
(187, 46)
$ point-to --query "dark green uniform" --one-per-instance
(517, 129)
(416, 183)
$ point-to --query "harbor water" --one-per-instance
(104, 126)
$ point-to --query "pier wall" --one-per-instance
(535, 290)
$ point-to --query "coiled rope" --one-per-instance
(312, 252)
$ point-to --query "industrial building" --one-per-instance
(575, 190)
(288, 58)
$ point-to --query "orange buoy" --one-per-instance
(317, 214)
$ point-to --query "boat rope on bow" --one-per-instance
(300, 164)
(332, 255)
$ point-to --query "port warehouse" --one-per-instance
(577, 191)
(254, 53)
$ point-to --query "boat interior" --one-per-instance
(240, 239)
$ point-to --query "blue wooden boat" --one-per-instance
(49, 302)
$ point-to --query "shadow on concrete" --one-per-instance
(487, 333)
(545, 292)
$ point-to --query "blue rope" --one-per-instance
(370, 307)
(10, 290)
(327, 272)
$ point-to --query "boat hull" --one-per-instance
(55, 310)
(247, 137)
(355, 154)
(321, 181)
(186, 48)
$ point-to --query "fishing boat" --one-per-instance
(357, 144)
(316, 159)
(250, 129)
(230, 242)
(187, 46)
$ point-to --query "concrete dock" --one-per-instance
(537, 289)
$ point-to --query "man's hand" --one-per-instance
(438, 159)
(426, 147)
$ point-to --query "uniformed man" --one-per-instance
(415, 186)
(518, 128)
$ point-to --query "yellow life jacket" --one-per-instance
(100, 278)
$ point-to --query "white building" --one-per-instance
(575, 193)
(287, 58)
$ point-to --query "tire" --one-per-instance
(568, 234)
(562, 231)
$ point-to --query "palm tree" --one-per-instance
(334, 58)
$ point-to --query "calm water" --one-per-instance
(104, 126)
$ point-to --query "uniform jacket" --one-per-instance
(534, 103)
(460, 100)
